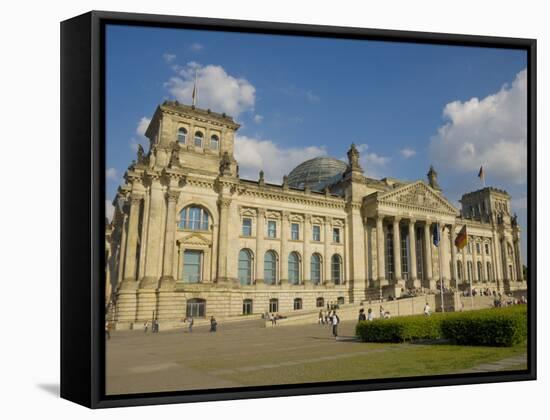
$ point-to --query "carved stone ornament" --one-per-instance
(225, 164)
(353, 158)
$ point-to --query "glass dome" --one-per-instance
(317, 173)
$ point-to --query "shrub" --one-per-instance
(501, 327)
(398, 330)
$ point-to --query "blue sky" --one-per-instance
(406, 105)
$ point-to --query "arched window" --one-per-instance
(459, 269)
(247, 306)
(316, 269)
(194, 218)
(245, 267)
(273, 305)
(297, 304)
(294, 268)
(489, 272)
(214, 142)
(336, 269)
(320, 302)
(196, 308)
(270, 267)
(480, 271)
(198, 139)
(182, 135)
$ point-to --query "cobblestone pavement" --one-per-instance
(178, 360)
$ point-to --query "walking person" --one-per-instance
(213, 324)
(321, 318)
(191, 321)
(335, 322)
(145, 326)
(362, 316)
(381, 312)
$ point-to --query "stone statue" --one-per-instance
(262, 180)
(353, 158)
(432, 178)
(285, 182)
(225, 164)
(140, 153)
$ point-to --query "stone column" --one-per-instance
(474, 260)
(412, 257)
(260, 251)
(454, 259)
(381, 261)
(428, 255)
(519, 263)
(325, 274)
(497, 266)
(224, 203)
(122, 251)
(397, 251)
(483, 261)
(169, 240)
(306, 266)
(131, 241)
(154, 234)
(464, 266)
(283, 261)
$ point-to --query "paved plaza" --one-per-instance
(247, 354)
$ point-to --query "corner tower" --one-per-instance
(195, 139)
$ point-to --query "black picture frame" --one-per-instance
(83, 213)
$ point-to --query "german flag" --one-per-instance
(462, 238)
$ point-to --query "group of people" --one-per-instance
(501, 301)
(369, 316)
(330, 318)
(154, 324)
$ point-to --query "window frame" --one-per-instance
(295, 233)
(272, 233)
(244, 226)
(198, 135)
(316, 229)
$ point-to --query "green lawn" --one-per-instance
(386, 361)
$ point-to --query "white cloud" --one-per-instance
(491, 132)
(254, 155)
(373, 164)
(195, 46)
(258, 118)
(407, 152)
(111, 174)
(109, 210)
(169, 58)
(216, 89)
(312, 98)
(142, 125)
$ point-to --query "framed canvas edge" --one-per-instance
(92, 394)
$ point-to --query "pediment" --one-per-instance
(195, 239)
(417, 195)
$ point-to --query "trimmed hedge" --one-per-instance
(502, 327)
(400, 329)
(489, 327)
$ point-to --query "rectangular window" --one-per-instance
(478, 249)
(271, 228)
(336, 235)
(487, 249)
(247, 226)
(273, 305)
(294, 231)
(316, 233)
(192, 266)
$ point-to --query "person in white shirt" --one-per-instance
(370, 316)
(427, 310)
(335, 322)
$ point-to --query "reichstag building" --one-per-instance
(190, 237)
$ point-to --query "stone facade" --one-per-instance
(188, 236)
